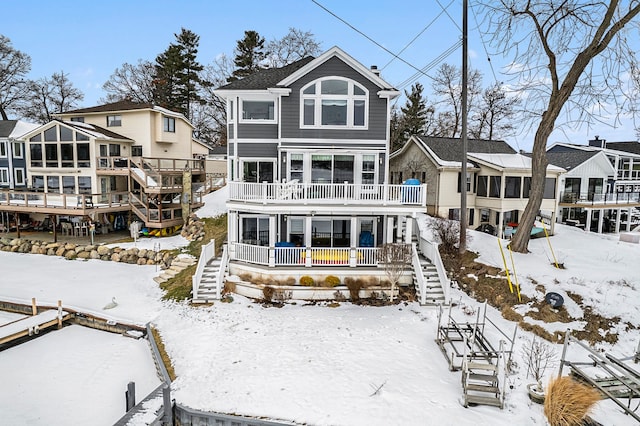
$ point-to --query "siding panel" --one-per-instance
(257, 131)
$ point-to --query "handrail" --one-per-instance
(224, 258)
(417, 268)
(345, 193)
(207, 252)
(432, 252)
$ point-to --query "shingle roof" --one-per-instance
(96, 131)
(267, 78)
(6, 127)
(123, 105)
(632, 147)
(569, 159)
(450, 149)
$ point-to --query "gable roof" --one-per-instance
(267, 78)
(283, 77)
(632, 147)
(450, 149)
(90, 130)
(502, 161)
(15, 128)
(123, 105)
(569, 159)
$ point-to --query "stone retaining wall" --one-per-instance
(131, 255)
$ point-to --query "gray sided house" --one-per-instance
(308, 170)
(13, 160)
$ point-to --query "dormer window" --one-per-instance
(334, 102)
(169, 124)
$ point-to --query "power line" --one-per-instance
(368, 38)
(419, 34)
(431, 65)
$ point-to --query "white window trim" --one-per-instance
(231, 113)
(357, 166)
(241, 102)
(13, 150)
(3, 149)
(6, 173)
(350, 98)
(15, 176)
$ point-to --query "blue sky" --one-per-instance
(89, 40)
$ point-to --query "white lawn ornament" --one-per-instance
(111, 305)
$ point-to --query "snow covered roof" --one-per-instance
(509, 161)
(14, 129)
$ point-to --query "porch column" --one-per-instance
(587, 226)
(618, 214)
(629, 210)
(408, 232)
(272, 240)
(307, 240)
(500, 224)
(389, 229)
(232, 234)
(600, 219)
(353, 252)
(553, 221)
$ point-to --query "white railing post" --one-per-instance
(415, 260)
(223, 266)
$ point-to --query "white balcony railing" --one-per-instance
(303, 256)
(344, 193)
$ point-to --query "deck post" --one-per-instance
(130, 396)
(34, 308)
(59, 314)
(168, 407)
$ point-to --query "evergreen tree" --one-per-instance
(414, 112)
(176, 79)
(249, 55)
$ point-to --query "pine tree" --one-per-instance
(414, 112)
(176, 79)
(249, 55)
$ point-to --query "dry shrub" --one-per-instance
(267, 293)
(289, 281)
(448, 232)
(354, 285)
(568, 402)
(307, 281)
(509, 314)
(331, 281)
(229, 287)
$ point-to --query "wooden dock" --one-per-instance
(33, 325)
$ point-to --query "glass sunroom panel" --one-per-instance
(321, 168)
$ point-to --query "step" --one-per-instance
(159, 279)
(482, 388)
(171, 272)
(479, 366)
(482, 377)
(483, 400)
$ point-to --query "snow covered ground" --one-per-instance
(348, 365)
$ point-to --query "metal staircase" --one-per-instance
(480, 382)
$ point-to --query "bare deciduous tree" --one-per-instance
(49, 96)
(538, 357)
(493, 118)
(568, 55)
(297, 44)
(447, 86)
(395, 257)
(14, 66)
(134, 82)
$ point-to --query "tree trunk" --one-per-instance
(3, 113)
(520, 241)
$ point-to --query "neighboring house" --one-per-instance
(13, 166)
(308, 171)
(601, 191)
(138, 160)
(498, 179)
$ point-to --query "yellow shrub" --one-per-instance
(331, 281)
(307, 281)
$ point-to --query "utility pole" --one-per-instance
(463, 172)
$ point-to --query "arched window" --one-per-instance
(334, 102)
